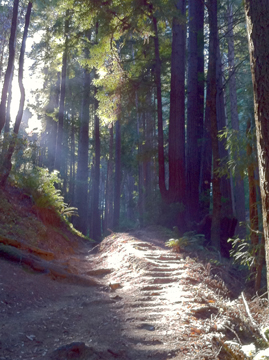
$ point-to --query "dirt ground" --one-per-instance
(144, 302)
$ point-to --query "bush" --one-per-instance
(243, 252)
(188, 239)
(39, 184)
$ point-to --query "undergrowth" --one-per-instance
(189, 240)
(40, 186)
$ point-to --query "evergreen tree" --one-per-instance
(258, 34)
(195, 106)
(211, 99)
(7, 160)
(8, 74)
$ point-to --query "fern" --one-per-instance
(69, 211)
(39, 184)
(243, 252)
(189, 238)
(177, 244)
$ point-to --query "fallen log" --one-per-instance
(46, 255)
(56, 272)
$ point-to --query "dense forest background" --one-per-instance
(145, 110)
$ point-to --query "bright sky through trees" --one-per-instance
(32, 81)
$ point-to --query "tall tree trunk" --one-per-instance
(130, 186)
(253, 209)
(95, 230)
(81, 188)
(211, 102)
(141, 167)
(51, 124)
(109, 184)
(141, 138)
(59, 145)
(257, 17)
(176, 192)
(239, 183)
(7, 161)
(7, 123)
(148, 147)
(96, 223)
(260, 263)
(3, 48)
(65, 161)
(177, 108)
(162, 186)
(117, 191)
(72, 160)
(12, 44)
(206, 165)
(155, 140)
(195, 105)
(225, 184)
(102, 194)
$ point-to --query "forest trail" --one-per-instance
(148, 303)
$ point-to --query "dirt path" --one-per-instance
(151, 303)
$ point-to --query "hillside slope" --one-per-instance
(22, 221)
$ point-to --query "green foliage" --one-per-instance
(39, 184)
(189, 238)
(177, 244)
(23, 149)
(238, 160)
(215, 262)
(77, 232)
(243, 252)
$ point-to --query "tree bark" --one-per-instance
(141, 167)
(253, 212)
(257, 17)
(109, 184)
(260, 263)
(177, 108)
(176, 192)
(72, 160)
(239, 183)
(206, 165)
(162, 186)
(51, 124)
(59, 145)
(117, 191)
(7, 123)
(12, 43)
(195, 105)
(95, 230)
(7, 161)
(3, 48)
(81, 187)
(149, 143)
(211, 102)
(225, 184)
(253, 209)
